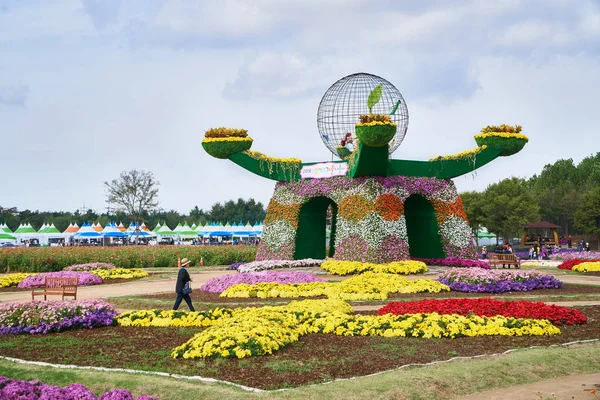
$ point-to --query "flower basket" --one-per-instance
(224, 147)
(375, 134)
(508, 143)
(343, 152)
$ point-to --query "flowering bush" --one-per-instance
(235, 266)
(256, 266)
(13, 279)
(225, 132)
(89, 267)
(219, 284)
(120, 273)
(45, 259)
(83, 278)
(34, 390)
(454, 262)
(175, 318)
(354, 267)
(371, 226)
(54, 316)
(582, 255)
(366, 286)
(496, 281)
(569, 264)
(588, 267)
(488, 308)
(264, 330)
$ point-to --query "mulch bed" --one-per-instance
(315, 358)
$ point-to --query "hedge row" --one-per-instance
(47, 259)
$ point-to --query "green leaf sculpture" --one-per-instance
(395, 107)
(374, 97)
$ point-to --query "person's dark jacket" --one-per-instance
(183, 277)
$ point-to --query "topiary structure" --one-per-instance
(383, 209)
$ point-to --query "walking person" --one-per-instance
(182, 287)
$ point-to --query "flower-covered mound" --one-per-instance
(264, 330)
(367, 286)
(496, 281)
(488, 308)
(120, 273)
(256, 266)
(454, 262)
(11, 280)
(355, 267)
(587, 267)
(36, 390)
(371, 225)
(219, 284)
(83, 278)
(89, 267)
(54, 316)
(569, 264)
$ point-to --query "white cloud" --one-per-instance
(137, 87)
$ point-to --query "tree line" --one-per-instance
(230, 211)
(563, 193)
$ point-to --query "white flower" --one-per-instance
(457, 232)
(278, 233)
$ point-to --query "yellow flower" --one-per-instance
(461, 155)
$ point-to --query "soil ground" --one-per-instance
(294, 365)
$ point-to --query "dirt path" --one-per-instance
(576, 387)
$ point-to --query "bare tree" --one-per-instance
(133, 192)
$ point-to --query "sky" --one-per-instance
(90, 88)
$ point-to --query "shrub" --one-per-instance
(34, 259)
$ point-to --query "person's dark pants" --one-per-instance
(187, 298)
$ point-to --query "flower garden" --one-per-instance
(297, 315)
(294, 312)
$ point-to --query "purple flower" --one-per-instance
(218, 285)
(83, 278)
(54, 316)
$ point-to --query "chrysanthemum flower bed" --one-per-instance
(12, 280)
(89, 267)
(367, 286)
(219, 284)
(477, 280)
(257, 331)
(256, 266)
(455, 262)
(34, 390)
(355, 267)
(120, 273)
(587, 267)
(488, 308)
(54, 316)
(83, 278)
(569, 264)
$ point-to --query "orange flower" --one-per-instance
(355, 207)
(277, 211)
(389, 206)
(444, 210)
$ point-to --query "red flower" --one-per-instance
(488, 308)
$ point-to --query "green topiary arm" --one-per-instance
(442, 169)
(277, 171)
